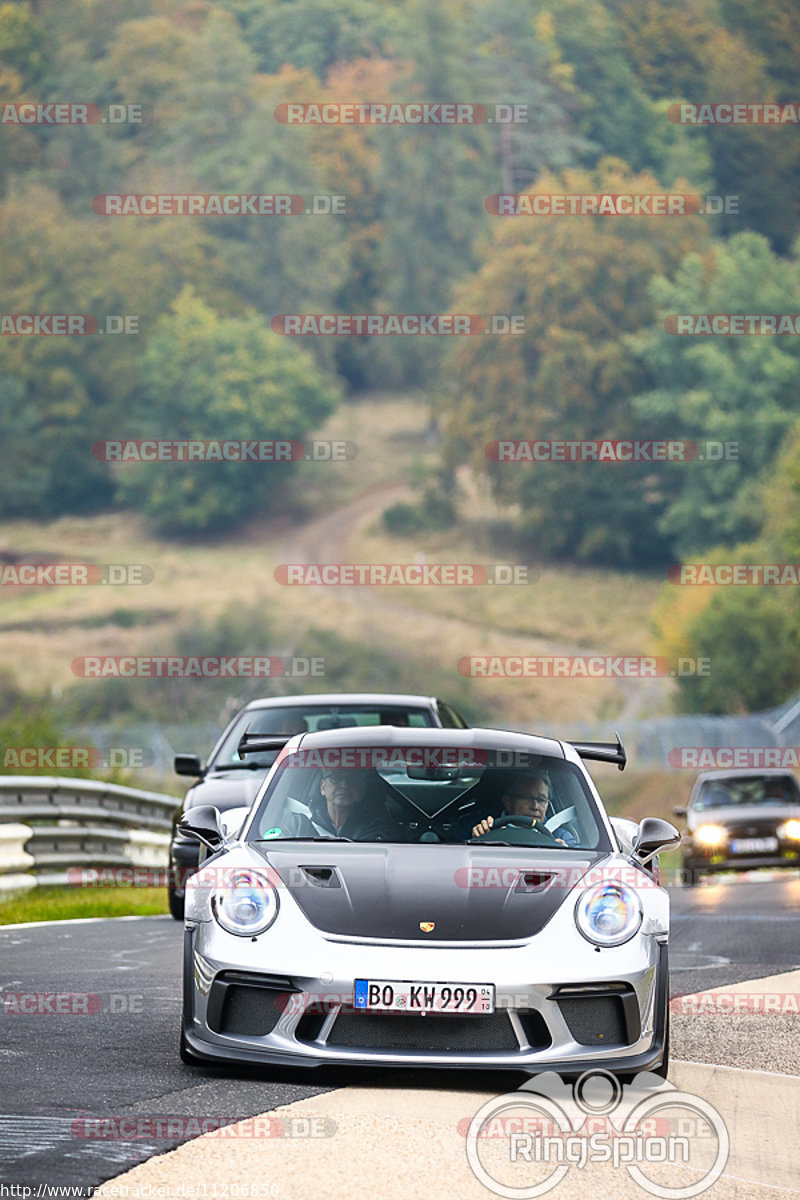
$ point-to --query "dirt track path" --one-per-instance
(327, 539)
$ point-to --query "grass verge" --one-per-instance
(68, 903)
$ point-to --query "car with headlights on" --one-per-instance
(229, 781)
(741, 819)
(369, 913)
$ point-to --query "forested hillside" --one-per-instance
(193, 96)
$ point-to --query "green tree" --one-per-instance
(752, 640)
(227, 378)
(581, 284)
(742, 390)
(317, 34)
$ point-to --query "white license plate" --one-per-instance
(393, 995)
(754, 845)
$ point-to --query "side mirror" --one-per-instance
(680, 810)
(654, 836)
(188, 764)
(203, 823)
(232, 820)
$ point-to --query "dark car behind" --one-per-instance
(229, 781)
(740, 820)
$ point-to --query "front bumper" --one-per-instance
(695, 858)
(590, 1009)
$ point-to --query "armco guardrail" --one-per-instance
(49, 825)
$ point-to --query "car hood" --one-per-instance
(226, 789)
(466, 893)
(744, 814)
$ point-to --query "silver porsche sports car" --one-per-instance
(428, 897)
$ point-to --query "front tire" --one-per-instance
(176, 903)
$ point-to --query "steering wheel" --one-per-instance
(511, 821)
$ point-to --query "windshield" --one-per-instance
(309, 718)
(429, 794)
(752, 789)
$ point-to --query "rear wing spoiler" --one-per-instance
(612, 752)
(256, 743)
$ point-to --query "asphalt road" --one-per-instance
(116, 1054)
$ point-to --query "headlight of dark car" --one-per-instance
(710, 836)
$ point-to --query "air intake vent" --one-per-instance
(246, 1004)
(322, 876)
(378, 1031)
(595, 1020)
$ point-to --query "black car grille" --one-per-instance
(444, 1035)
(247, 1005)
(748, 829)
(596, 1020)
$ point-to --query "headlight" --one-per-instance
(247, 906)
(710, 836)
(790, 830)
(608, 915)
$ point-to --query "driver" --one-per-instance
(528, 795)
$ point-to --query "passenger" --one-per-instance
(346, 811)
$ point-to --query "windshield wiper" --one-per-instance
(289, 838)
(480, 842)
(240, 766)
